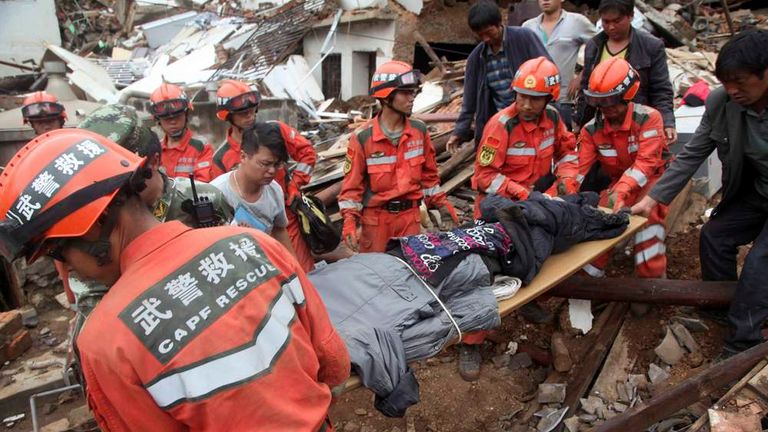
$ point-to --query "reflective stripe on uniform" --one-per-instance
(503, 119)
(546, 143)
(608, 152)
(649, 232)
(383, 160)
(347, 204)
(650, 133)
(649, 253)
(525, 151)
(638, 175)
(496, 184)
(414, 153)
(632, 148)
(567, 158)
(305, 168)
(593, 271)
(242, 364)
(579, 178)
(184, 168)
(434, 190)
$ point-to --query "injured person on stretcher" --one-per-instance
(430, 289)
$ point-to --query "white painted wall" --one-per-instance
(377, 36)
(24, 26)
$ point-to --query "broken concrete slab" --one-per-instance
(520, 361)
(656, 374)
(15, 396)
(580, 314)
(501, 360)
(669, 351)
(591, 404)
(551, 393)
(551, 420)
(684, 337)
(572, 424)
(692, 324)
(722, 421)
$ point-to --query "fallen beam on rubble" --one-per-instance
(659, 291)
(329, 194)
(607, 327)
(457, 159)
(687, 392)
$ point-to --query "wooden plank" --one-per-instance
(606, 328)
(559, 267)
(458, 179)
(759, 382)
(616, 368)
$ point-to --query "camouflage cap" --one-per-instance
(121, 124)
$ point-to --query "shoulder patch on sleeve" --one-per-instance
(487, 155)
(419, 125)
(553, 114)
(198, 143)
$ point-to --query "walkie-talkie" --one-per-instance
(202, 208)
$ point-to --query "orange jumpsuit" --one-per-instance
(515, 153)
(634, 156)
(216, 329)
(382, 179)
(300, 149)
(193, 155)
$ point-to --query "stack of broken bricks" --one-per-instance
(14, 338)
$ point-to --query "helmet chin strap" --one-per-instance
(178, 134)
(402, 113)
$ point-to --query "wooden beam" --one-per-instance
(438, 117)
(431, 53)
(457, 159)
(658, 291)
(459, 179)
(606, 329)
(687, 392)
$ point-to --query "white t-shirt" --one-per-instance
(267, 212)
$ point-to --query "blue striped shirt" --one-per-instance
(499, 79)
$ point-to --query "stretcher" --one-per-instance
(556, 269)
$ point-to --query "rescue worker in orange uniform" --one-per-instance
(43, 112)
(628, 141)
(210, 329)
(526, 146)
(390, 166)
(183, 153)
(238, 103)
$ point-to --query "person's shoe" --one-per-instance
(534, 313)
(469, 362)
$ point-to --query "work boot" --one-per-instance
(469, 362)
(534, 313)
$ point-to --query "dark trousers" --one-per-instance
(741, 222)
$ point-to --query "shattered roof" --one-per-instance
(275, 38)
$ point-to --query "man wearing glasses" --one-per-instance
(237, 103)
(251, 188)
(183, 154)
(390, 166)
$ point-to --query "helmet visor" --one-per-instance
(42, 109)
(243, 101)
(603, 100)
(410, 79)
(168, 108)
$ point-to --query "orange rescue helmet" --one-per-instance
(42, 106)
(391, 76)
(537, 77)
(57, 186)
(169, 100)
(612, 82)
(234, 96)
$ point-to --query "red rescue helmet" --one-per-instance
(234, 96)
(57, 186)
(537, 77)
(612, 82)
(42, 106)
(169, 100)
(391, 76)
